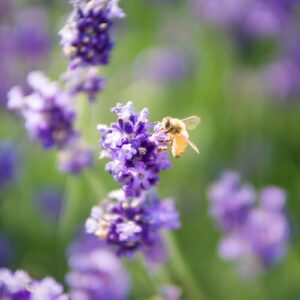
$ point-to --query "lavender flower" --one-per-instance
(6, 8)
(280, 77)
(85, 80)
(6, 250)
(19, 286)
(231, 202)
(252, 242)
(49, 201)
(33, 42)
(86, 37)
(9, 159)
(74, 158)
(23, 45)
(95, 273)
(135, 158)
(161, 65)
(131, 224)
(47, 111)
(251, 17)
(267, 242)
(171, 292)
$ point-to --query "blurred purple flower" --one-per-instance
(50, 203)
(9, 162)
(84, 80)
(131, 224)
(281, 77)
(6, 250)
(171, 292)
(47, 111)
(267, 233)
(6, 8)
(253, 17)
(95, 272)
(32, 36)
(86, 38)
(74, 158)
(161, 65)
(231, 201)
(23, 46)
(135, 159)
(273, 198)
(19, 286)
(8, 61)
(252, 241)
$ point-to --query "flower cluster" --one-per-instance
(255, 226)
(75, 158)
(6, 250)
(253, 17)
(282, 74)
(22, 43)
(47, 111)
(95, 272)
(19, 286)
(131, 224)
(257, 22)
(132, 147)
(9, 159)
(87, 41)
(84, 80)
(49, 116)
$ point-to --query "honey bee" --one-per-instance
(177, 131)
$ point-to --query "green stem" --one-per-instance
(180, 268)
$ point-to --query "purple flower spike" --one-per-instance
(267, 233)
(86, 37)
(257, 18)
(19, 286)
(260, 238)
(96, 273)
(131, 146)
(47, 111)
(162, 65)
(132, 224)
(85, 80)
(273, 198)
(6, 250)
(75, 158)
(9, 159)
(33, 41)
(49, 201)
(231, 202)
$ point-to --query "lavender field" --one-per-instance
(149, 150)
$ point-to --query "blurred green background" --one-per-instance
(242, 129)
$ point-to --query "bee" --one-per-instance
(177, 131)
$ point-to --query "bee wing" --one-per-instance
(179, 145)
(193, 146)
(191, 122)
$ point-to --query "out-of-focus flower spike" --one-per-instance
(47, 111)
(75, 157)
(95, 272)
(85, 80)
